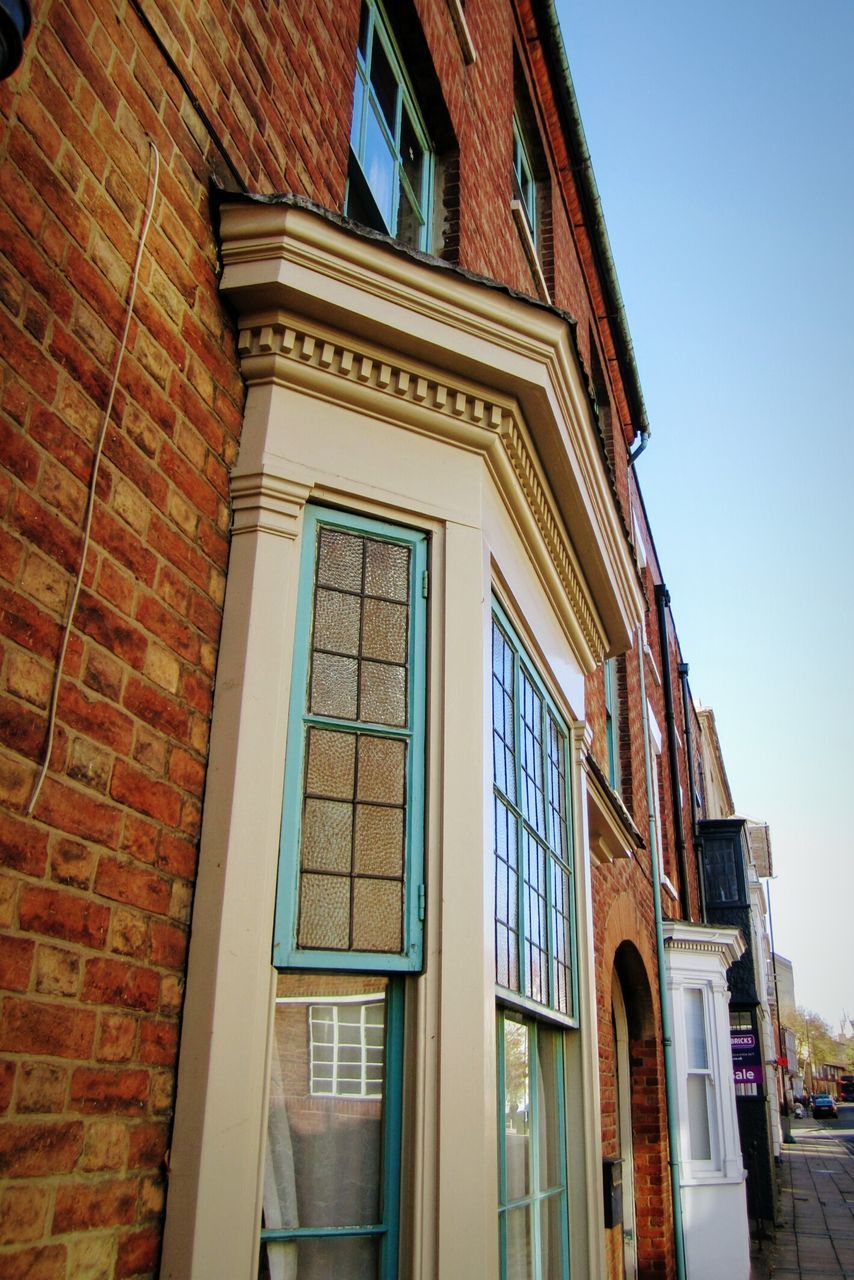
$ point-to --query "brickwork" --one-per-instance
(96, 886)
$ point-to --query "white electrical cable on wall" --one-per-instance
(154, 175)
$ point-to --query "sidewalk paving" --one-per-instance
(815, 1232)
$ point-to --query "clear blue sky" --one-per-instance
(722, 139)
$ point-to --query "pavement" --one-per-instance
(815, 1222)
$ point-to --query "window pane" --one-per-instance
(334, 690)
(384, 82)
(379, 841)
(327, 835)
(377, 915)
(323, 1162)
(351, 1258)
(331, 764)
(695, 1025)
(386, 570)
(519, 1244)
(384, 635)
(339, 560)
(698, 1118)
(506, 898)
(337, 620)
(379, 165)
(517, 1108)
(549, 1110)
(552, 1214)
(324, 912)
(383, 694)
(382, 770)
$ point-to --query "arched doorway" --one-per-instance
(624, 1127)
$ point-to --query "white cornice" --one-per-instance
(355, 321)
(682, 935)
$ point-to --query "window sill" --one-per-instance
(521, 220)
(669, 887)
(463, 34)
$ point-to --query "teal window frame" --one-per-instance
(612, 722)
(525, 184)
(538, 1194)
(286, 952)
(387, 1229)
(557, 846)
(370, 118)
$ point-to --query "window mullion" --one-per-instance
(520, 824)
(536, 1189)
(550, 843)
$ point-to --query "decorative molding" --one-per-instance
(275, 350)
(279, 339)
(266, 503)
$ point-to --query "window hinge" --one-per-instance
(425, 583)
(422, 902)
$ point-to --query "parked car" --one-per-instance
(824, 1105)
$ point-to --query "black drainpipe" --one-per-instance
(682, 668)
(662, 600)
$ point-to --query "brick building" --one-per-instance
(316, 372)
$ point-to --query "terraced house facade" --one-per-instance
(350, 885)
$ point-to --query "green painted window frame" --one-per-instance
(557, 811)
(387, 1230)
(367, 110)
(525, 184)
(286, 951)
(612, 722)
(538, 1195)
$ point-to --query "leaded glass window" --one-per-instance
(350, 870)
(532, 845)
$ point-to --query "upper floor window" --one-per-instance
(524, 182)
(612, 722)
(534, 942)
(702, 1125)
(350, 890)
(391, 167)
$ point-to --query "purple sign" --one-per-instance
(746, 1058)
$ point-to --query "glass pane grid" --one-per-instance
(532, 847)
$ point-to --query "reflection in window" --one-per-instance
(700, 1086)
(390, 171)
(524, 183)
(532, 1191)
(333, 1126)
(533, 912)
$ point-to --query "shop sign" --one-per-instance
(746, 1058)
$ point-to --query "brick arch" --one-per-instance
(627, 955)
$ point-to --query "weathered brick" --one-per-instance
(168, 945)
(23, 1211)
(23, 847)
(72, 864)
(144, 794)
(16, 963)
(113, 1090)
(115, 982)
(138, 1253)
(158, 1042)
(123, 881)
(78, 813)
(105, 1146)
(31, 1150)
(177, 855)
(64, 915)
(57, 972)
(27, 1026)
(117, 1037)
(42, 1088)
(105, 1204)
(45, 1262)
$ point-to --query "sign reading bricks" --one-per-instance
(746, 1058)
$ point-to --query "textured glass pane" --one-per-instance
(698, 1118)
(351, 1258)
(382, 770)
(536, 949)
(519, 1249)
(695, 1025)
(384, 634)
(324, 912)
(383, 694)
(377, 915)
(548, 1109)
(337, 619)
(331, 766)
(333, 686)
(327, 830)
(379, 841)
(517, 1111)
(339, 560)
(324, 1151)
(387, 570)
(551, 1238)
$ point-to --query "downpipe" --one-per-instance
(666, 1029)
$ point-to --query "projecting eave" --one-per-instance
(446, 352)
(682, 935)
